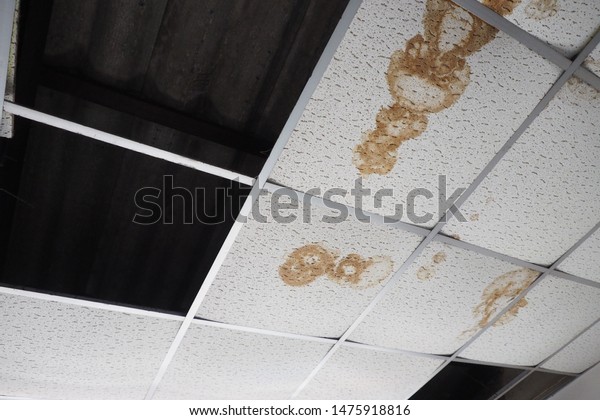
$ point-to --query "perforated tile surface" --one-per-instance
(557, 310)
(566, 24)
(448, 292)
(543, 196)
(289, 276)
(354, 373)
(592, 63)
(505, 82)
(581, 354)
(60, 351)
(216, 363)
(585, 260)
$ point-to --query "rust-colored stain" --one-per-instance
(304, 265)
(429, 75)
(426, 272)
(498, 294)
(576, 90)
(309, 262)
(351, 268)
(501, 291)
(455, 236)
(439, 257)
(474, 217)
(541, 9)
(511, 313)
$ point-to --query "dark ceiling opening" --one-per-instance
(466, 381)
(211, 80)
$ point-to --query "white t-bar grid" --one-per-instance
(565, 76)
(124, 143)
(538, 367)
(7, 11)
(285, 134)
(540, 47)
(253, 330)
(570, 67)
(377, 219)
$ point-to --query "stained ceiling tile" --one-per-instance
(62, 351)
(543, 196)
(306, 278)
(565, 24)
(442, 300)
(217, 363)
(585, 260)
(417, 124)
(581, 354)
(358, 373)
(556, 311)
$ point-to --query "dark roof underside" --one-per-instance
(212, 80)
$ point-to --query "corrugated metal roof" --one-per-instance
(239, 64)
(211, 80)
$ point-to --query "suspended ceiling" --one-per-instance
(503, 304)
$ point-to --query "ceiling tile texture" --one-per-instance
(557, 310)
(292, 277)
(217, 363)
(565, 24)
(354, 373)
(579, 355)
(504, 83)
(442, 300)
(543, 196)
(62, 351)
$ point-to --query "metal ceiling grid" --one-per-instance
(571, 68)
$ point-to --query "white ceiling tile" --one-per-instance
(62, 351)
(356, 373)
(218, 363)
(250, 289)
(581, 354)
(585, 260)
(506, 82)
(543, 196)
(442, 300)
(592, 63)
(557, 311)
(565, 24)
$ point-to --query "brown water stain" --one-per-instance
(511, 313)
(455, 236)
(541, 9)
(577, 92)
(351, 268)
(497, 295)
(427, 76)
(439, 257)
(501, 291)
(426, 272)
(394, 125)
(474, 217)
(305, 264)
(309, 262)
